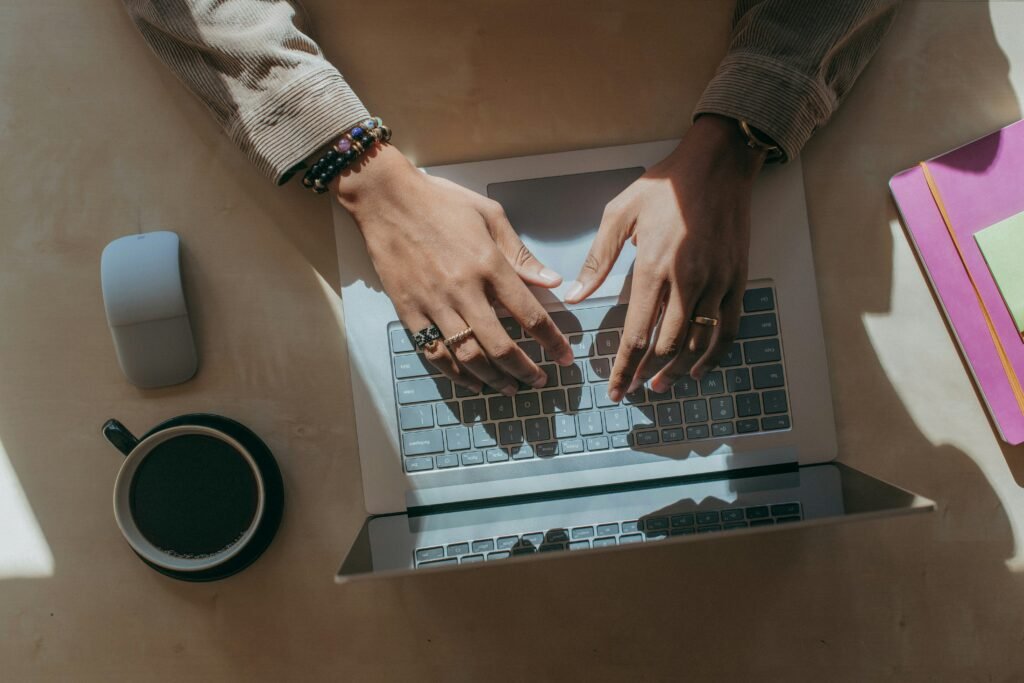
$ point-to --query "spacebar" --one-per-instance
(587, 319)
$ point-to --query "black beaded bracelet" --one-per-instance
(344, 152)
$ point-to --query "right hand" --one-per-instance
(443, 254)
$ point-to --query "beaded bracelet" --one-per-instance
(344, 152)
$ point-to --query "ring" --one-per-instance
(456, 338)
(704, 320)
(425, 338)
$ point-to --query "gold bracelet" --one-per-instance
(772, 151)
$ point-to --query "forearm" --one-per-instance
(790, 63)
(266, 83)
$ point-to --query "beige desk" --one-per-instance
(98, 139)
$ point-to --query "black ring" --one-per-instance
(426, 337)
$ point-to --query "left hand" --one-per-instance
(689, 217)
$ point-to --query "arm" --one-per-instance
(790, 63)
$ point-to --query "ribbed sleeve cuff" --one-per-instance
(295, 121)
(785, 104)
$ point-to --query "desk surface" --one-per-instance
(99, 140)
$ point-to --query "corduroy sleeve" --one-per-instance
(791, 62)
(267, 83)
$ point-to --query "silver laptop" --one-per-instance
(453, 479)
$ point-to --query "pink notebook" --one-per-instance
(979, 184)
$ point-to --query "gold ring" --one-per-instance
(704, 320)
(456, 338)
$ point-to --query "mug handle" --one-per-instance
(119, 436)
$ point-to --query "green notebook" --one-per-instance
(1002, 245)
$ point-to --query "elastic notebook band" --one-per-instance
(1018, 393)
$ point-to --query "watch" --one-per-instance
(759, 141)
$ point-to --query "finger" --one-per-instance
(669, 341)
(604, 251)
(470, 356)
(438, 356)
(535, 321)
(698, 341)
(644, 304)
(723, 335)
(528, 266)
(502, 351)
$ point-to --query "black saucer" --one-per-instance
(273, 489)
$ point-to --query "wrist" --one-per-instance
(721, 138)
(377, 176)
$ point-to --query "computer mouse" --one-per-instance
(146, 311)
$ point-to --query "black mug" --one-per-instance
(198, 497)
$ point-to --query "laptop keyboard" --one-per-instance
(652, 528)
(445, 427)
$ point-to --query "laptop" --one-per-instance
(452, 479)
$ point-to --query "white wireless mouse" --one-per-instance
(145, 302)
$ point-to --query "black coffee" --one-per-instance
(193, 496)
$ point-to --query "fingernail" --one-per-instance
(575, 287)
(634, 385)
(549, 276)
(509, 390)
(658, 386)
(614, 395)
(540, 381)
(566, 358)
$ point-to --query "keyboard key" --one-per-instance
(734, 525)
(499, 555)
(582, 345)
(447, 414)
(732, 357)
(760, 325)
(507, 542)
(757, 512)
(606, 343)
(458, 549)
(784, 520)
(579, 398)
(732, 515)
(672, 434)
(484, 435)
(579, 545)
(762, 522)
(421, 443)
(522, 452)
(638, 396)
(655, 523)
(533, 539)
(616, 420)
(571, 374)
(447, 460)
(685, 387)
(630, 527)
(500, 407)
(697, 432)
(737, 380)
(538, 429)
(546, 450)
(641, 416)
(646, 438)
(532, 350)
(590, 319)
(774, 402)
(557, 536)
(401, 341)
(721, 408)
(746, 426)
(680, 520)
(683, 531)
(621, 441)
(415, 417)
(471, 559)
(631, 538)
(553, 402)
(748, 405)
(695, 410)
(512, 328)
(457, 438)
(762, 351)
(721, 429)
(474, 410)
(419, 464)
(597, 443)
(422, 390)
(463, 392)
(510, 433)
(608, 529)
(552, 372)
(708, 529)
(599, 370)
(590, 423)
(708, 517)
(786, 509)
(669, 414)
(472, 458)
(656, 535)
(527, 405)
(604, 542)
(428, 554)
(484, 546)
(409, 365)
(775, 422)
(570, 446)
(760, 299)
(551, 547)
(524, 550)
(565, 426)
(496, 455)
(583, 532)
(654, 396)
(712, 384)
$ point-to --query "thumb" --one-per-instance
(604, 251)
(527, 266)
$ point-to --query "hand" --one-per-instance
(444, 254)
(689, 217)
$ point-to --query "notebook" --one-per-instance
(958, 208)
